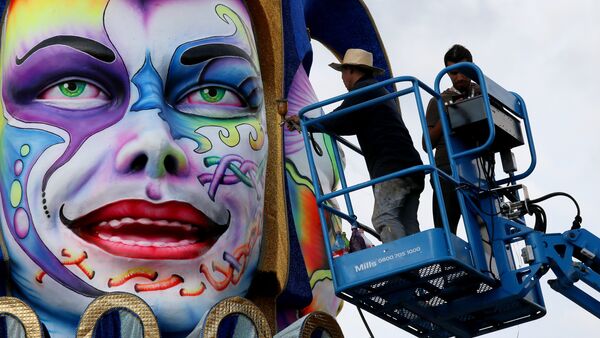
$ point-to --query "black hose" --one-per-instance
(540, 217)
(365, 322)
(577, 220)
(315, 145)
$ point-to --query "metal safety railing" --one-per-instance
(510, 100)
(434, 283)
(415, 87)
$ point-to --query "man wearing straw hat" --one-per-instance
(386, 145)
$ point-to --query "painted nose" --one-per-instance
(155, 155)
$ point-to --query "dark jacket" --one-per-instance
(433, 116)
(381, 133)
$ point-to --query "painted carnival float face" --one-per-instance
(133, 154)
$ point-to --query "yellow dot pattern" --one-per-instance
(25, 149)
(16, 193)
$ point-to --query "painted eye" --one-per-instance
(74, 94)
(213, 95)
(72, 88)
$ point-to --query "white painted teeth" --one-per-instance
(116, 224)
(117, 239)
(108, 235)
(143, 243)
(145, 221)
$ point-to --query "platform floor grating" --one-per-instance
(412, 301)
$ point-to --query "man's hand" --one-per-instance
(292, 123)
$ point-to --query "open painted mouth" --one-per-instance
(140, 229)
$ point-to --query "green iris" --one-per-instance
(72, 88)
(212, 94)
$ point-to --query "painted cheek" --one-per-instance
(16, 169)
(18, 160)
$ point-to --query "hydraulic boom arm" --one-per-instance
(574, 257)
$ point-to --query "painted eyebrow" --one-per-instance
(88, 46)
(199, 54)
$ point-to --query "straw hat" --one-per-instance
(358, 58)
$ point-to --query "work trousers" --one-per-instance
(396, 205)
(450, 203)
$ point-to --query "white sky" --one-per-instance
(548, 51)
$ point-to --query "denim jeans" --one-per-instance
(396, 205)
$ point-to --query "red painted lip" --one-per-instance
(144, 230)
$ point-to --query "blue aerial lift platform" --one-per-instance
(433, 283)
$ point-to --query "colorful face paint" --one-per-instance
(304, 212)
(134, 135)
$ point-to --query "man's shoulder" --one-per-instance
(371, 93)
(452, 92)
(365, 82)
(448, 94)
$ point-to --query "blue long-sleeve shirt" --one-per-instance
(382, 135)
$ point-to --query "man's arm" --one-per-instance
(349, 122)
(344, 125)
(434, 124)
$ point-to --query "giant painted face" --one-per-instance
(133, 153)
